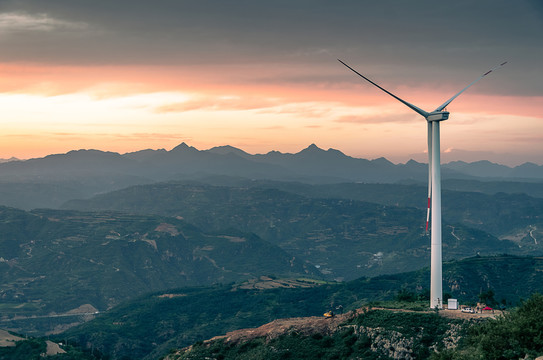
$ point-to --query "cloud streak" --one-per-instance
(379, 119)
(22, 22)
(220, 103)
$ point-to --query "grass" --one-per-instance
(403, 305)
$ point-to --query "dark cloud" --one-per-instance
(401, 41)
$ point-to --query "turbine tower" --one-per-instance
(434, 183)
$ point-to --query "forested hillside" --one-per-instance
(151, 325)
(55, 261)
(344, 237)
(386, 334)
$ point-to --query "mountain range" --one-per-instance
(52, 180)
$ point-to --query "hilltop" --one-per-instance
(324, 325)
(384, 334)
(370, 333)
(366, 333)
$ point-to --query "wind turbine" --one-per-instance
(434, 182)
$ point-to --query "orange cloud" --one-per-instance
(244, 86)
(218, 104)
(236, 105)
(379, 119)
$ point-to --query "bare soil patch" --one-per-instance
(7, 339)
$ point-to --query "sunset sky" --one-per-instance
(127, 75)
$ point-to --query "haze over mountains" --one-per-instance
(319, 207)
(325, 213)
(92, 229)
(52, 180)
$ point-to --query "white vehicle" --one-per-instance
(468, 310)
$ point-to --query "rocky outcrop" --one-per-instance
(387, 341)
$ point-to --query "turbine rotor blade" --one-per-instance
(411, 106)
(444, 105)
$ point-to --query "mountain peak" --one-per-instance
(382, 160)
(227, 149)
(414, 162)
(183, 147)
(313, 147)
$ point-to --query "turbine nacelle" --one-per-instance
(437, 116)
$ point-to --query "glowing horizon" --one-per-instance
(73, 80)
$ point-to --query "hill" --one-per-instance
(151, 325)
(507, 210)
(384, 334)
(344, 238)
(370, 334)
(56, 261)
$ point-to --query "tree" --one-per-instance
(487, 297)
(511, 336)
(406, 295)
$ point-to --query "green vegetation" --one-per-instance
(156, 323)
(153, 324)
(385, 334)
(34, 349)
(404, 305)
(54, 261)
(341, 345)
(515, 335)
(498, 208)
(344, 236)
(23, 350)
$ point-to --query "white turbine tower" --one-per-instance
(434, 183)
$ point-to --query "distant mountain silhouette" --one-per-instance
(486, 168)
(8, 160)
(83, 173)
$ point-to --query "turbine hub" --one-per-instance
(438, 116)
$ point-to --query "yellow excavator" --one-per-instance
(329, 314)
